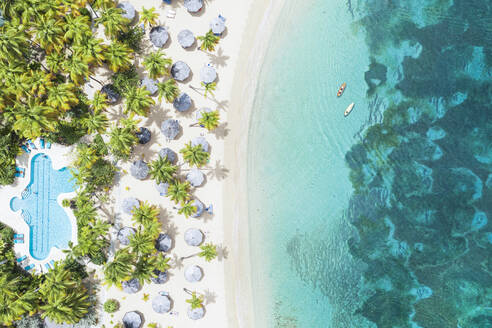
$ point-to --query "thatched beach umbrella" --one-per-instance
(129, 204)
(195, 314)
(163, 242)
(193, 273)
(217, 25)
(132, 320)
(150, 85)
(195, 177)
(160, 277)
(169, 154)
(200, 141)
(199, 208)
(170, 128)
(208, 74)
(139, 170)
(193, 6)
(162, 188)
(130, 286)
(180, 71)
(128, 10)
(143, 135)
(186, 38)
(193, 237)
(158, 36)
(124, 235)
(182, 103)
(161, 304)
(111, 94)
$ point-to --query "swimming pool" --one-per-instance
(49, 224)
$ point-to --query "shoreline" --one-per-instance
(239, 293)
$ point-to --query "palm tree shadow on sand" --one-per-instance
(177, 262)
(221, 131)
(222, 252)
(218, 59)
(209, 297)
(218, 172)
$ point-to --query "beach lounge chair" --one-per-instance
(31, 144)
(21, 259)
(18, 236)
(19, 174)
(29, 267)
(171, 13)
(52, 263)
(47, 266)
(48, 145)
(27, 150)
(41, 143)
(18, 241)
(210, 209)
(222, 18)
(166, 1)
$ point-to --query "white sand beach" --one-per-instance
(237, 58)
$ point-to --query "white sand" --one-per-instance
(223, 278)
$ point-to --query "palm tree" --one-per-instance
(13, 302)
(195, 155)
(99, 101)
(66, 308)
(209, 252)
(179, 191)
(188, 209)
(49, 34)
(142, 242)
(92, 49)
(209, 88)
(148, 16)
(119, 269)
(208, 120)
(57, 281)
(62, 96)
(138, 101)
(54, 61)
(77, 67)
(161, 170)
(157, 64)
(13, 44)
(77, 28)
(102, 4)
(87, 212)
(145, 214)
(168, 89)
(195, 301)
(144, 270)
(118, 56)
(209, 41)
(95, 122)
(32, 119)
(122, 140)
(113, 22)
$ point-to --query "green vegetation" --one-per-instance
(194, 155)
(111, 305)
(209, 120)
(161, 170)
(168, 90)
(209, 41)
(157, 64)
(149, 16)
(196, 301)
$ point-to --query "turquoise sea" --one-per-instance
(379, 219)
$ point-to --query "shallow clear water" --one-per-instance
(49, 225)
(379, 219)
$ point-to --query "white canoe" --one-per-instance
(349, 109)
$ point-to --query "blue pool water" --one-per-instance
(383, 218)
(49, 225)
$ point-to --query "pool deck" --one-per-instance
(60, 157)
